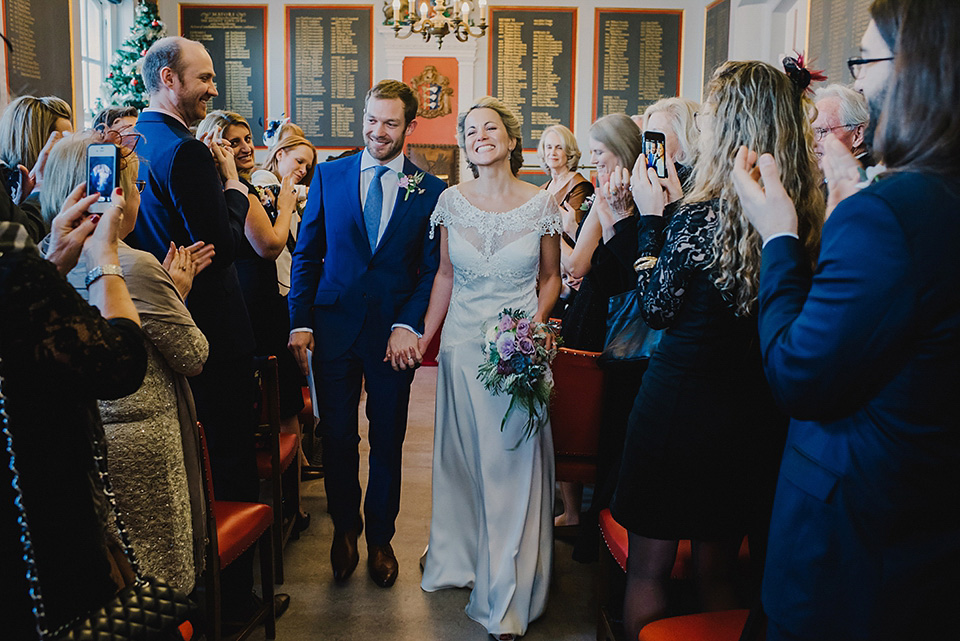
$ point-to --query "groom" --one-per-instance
(362, 273)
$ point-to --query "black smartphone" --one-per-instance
(655, 149)
(102, 161)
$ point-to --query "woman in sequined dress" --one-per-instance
(151, 434)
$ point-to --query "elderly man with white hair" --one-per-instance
(844, 113)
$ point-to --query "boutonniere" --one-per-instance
(411, 182)
(587, 202)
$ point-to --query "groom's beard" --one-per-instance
(875, 105)
(386, 153)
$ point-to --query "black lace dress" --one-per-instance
(59, 356)
(704, 437)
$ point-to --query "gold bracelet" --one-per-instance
(644, 262)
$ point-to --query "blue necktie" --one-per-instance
(373, 207)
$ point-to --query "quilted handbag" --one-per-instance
(147, 610)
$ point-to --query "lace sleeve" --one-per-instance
(550, 222)
(65, 336)
(441, 213)
(687, 246)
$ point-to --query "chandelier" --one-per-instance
(439, 20)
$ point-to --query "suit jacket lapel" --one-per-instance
(401, 206)
(351, 197)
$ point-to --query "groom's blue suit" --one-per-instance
(351, 297)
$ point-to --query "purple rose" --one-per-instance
(506, 346)
(506, 323)
(504, 368)
(525, 345)
(523, 327)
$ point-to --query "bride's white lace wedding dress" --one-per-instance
(492, 523)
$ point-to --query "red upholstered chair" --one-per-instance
(233, 526)
(726, 625)
(576, 409)
(275, 453)
(614, 565)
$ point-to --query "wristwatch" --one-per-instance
(102, 270)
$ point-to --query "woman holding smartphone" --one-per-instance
(704, 438)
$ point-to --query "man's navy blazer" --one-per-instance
(338, 287)
(865, 536)
(184, 201)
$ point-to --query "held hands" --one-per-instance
(768, 207)
(842, 171)
(616, 193)
(298, 344)
(403, 350)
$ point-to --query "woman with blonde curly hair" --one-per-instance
(705, 437)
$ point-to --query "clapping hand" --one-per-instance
(842, 171)
(768, 207)
(287, 198)
(180, 264)
(616, 192)
(33, 178)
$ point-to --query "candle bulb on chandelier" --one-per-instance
(423, 10)
(465, 12)
(396, 10)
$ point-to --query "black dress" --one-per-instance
(704, 438)
(270, 318)
(59, 356)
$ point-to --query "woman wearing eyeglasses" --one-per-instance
(151, 434)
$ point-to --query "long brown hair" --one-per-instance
(756, 105)
(920, 126)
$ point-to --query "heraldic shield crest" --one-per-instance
(433, 91)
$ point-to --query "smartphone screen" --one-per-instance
(101, 174)
(655, 149)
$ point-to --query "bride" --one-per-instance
(492, 524)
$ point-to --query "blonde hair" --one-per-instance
(681, 111)
(26, 124)
(756, 105)
(67, 167)
(286, 144)
(619, 134)
(567, 142)
(510, 123)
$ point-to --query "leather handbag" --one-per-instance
(629, 342)
(146, 610)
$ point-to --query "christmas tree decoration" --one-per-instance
(123, 85)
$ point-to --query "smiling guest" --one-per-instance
(362, 273)
(185, 201)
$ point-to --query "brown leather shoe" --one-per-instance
(382, 564)
(344, 555)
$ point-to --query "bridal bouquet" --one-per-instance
(517, 362)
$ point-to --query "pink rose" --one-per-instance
(404, 182)
(506, 323)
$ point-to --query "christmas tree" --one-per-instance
(123, 86)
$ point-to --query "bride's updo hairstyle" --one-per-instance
(510, 123)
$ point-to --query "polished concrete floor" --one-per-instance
(358, 609)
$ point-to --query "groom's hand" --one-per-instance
(298, 344)
(403, 349)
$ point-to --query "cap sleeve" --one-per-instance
(441, 213)
(550, 222)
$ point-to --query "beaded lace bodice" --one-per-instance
(495, 257)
